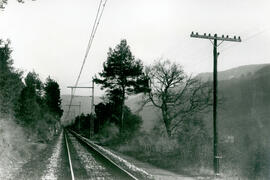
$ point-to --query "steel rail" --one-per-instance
(102, 154)
(69, 158)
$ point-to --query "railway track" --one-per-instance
(71, 156)
(89, 161)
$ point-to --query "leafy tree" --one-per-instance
(30, 100)
(195, 141)
(82, 124)
(103, 114)
(132, 124)
(122, 74)
(177, 95)
(27, 101)
(10, 80)
(52, 97)
(105, 121)
(5, 59)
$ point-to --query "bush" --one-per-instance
(188, 150)
(132, 123)
(109, 134)
(152, 148)
(195, 143)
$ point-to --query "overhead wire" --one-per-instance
(89, 45)
(203, 52)
(244, 40)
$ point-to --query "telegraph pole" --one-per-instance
(92, 103)
(215, 38)
(93, 91)
(80, 104)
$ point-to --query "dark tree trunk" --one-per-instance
(122, 110)
(166, 120)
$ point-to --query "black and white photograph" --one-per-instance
(134, 90)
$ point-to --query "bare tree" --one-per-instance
(177, 95)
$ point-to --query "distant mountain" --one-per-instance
(83, 101)
(233, 73)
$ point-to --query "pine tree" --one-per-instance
(122, 74)
(52, 97)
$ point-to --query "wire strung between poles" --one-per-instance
(90, 42)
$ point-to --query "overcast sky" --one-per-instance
(50, 36)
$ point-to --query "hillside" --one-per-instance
(233, 73)
(247, 100)
(243, 120)
(239, 86)
(15, 147)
